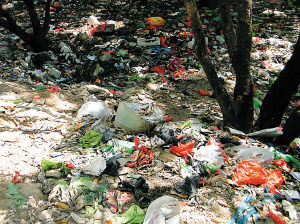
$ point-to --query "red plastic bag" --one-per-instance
(282, 163)
(275, 179)
(17, 178)
(159, 69)
(276, 218)
(250, 172)
(204, 92)
(70, 165)
(183, 149)
(140, 156)
(167, 118)
(54, 89)
(188, 21)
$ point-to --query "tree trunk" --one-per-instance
(291, 129)
(237, 112)
(278, 97)
(200, 48)
(37, 41)
(243, 90)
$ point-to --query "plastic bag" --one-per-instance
(212, 141)
(133, 215)
(288, 158)
(250, 172)
(244, 211)
(91, 139)
(155, 21)
(94, 108)
(163, 210)
(211, 153)
(130, 118)
(49, 165)
(12, 193)
(282, 163)
(96, 167)
(261, 155)
(276, 218)
(183, 149)
(140, 156)
(64, 167)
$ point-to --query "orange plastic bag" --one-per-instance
(155, 21)
(183, 149)
(250, 172)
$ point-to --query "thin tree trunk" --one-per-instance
(237, 112)
(243, 91)
(47, 17)
(228, 27)
(10, 24)
(33, 16)
(222, 95)
(238, 43)
(278, 97)
(291, 129)
(37, 41)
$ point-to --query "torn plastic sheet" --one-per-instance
(269, 132)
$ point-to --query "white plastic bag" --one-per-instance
(94, 108)
(96, 167)
(163, 210)
(210, 154)
(263, 156)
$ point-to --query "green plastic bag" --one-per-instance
(91, 210)
(89, 187)
(134, 215)
(217, 19)
(12, 193)
(127, 145)
(91, 139)
(18, 101)
(82, 182)
(41, 87)
(288, 158)
(108, 147)
(50, 165)
(256, 103)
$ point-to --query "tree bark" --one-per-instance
(243, 90)
(291, 129)
(278, 97)
(224, 99)
(228, 28)
(47, 17)
(237, 112)
(37, 41)
(36, 26)
(10, 24)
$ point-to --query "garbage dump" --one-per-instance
(118, 123)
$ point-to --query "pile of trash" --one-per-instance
(106, 174)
